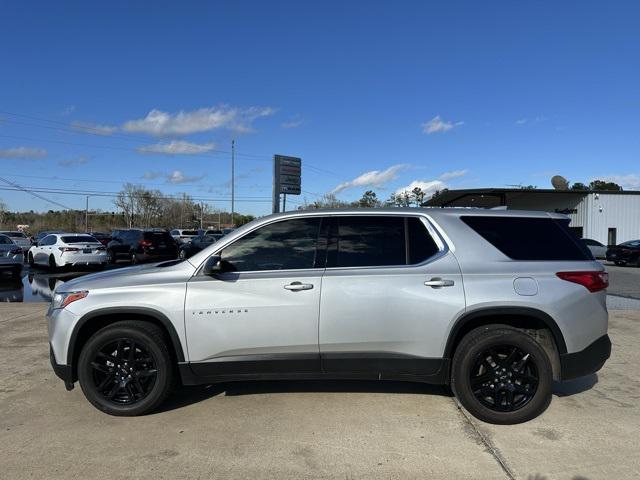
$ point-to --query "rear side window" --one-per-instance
(189, 232)
(369, 241)
(4, 240)
(522, 238)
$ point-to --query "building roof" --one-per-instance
(448, 197)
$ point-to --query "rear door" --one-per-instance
(389, 292)
(261, 315)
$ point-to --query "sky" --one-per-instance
(371, 95)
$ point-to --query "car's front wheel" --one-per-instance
(126, 368)
(502, 375)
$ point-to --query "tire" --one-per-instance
(138, 390)
(134, 259)
(30, 259)
(620, 264)
(53, 266)
(111, 258)
(512, 395)
(183, 254)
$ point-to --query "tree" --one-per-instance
(402, 199)
(579, 186)
(418, 196)
(328, 200)
(600, 185)
(369, 200)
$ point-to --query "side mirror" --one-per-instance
(213, 265)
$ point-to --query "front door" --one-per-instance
(389, 293)
(261, 315)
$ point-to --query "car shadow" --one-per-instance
(573, 387)
(189, 395)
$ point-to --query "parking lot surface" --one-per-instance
(312, 429)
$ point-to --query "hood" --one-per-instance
(164, 272)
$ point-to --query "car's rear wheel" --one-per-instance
(502, 375)
(126, 368)
(134, 258)
(111, 258)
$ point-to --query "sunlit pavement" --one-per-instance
(311, 429)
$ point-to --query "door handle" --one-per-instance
(439, 282)
(297, 286)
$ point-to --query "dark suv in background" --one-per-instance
(137, 246)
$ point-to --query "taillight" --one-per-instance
(145, 243)
(592, 281)
(16, 251)
(68, 249)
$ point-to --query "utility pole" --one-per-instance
(233, 186)
(284, 202)
(201, 213)
(86, 216)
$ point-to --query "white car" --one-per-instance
(597, 249)
(67, 249)
(183, 236)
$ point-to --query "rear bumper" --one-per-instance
(587, 361)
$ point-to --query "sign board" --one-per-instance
(287, 178)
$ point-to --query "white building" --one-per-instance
(610, 217)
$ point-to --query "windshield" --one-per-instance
(79, 239)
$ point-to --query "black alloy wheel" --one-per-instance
(124, 372)
(504, 378)
(501, 375)
(126, 368)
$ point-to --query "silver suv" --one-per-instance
(496, 304)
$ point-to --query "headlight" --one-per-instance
(62, 299)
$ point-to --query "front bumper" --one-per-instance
(63, 372)
(587, 361)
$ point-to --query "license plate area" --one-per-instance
(86, 250)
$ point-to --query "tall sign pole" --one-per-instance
(233, 183)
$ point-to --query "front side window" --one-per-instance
(285, 245)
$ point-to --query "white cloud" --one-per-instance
(453, 174)
(534, 120)
(68, 110)
(374, 178)
(104, 130)
(23, 153)
(177, 147)
(176, 177)
(427, 186)
(83, 160)
(161, 123)
(437, 125)
(522, 121)
(630, 181)
(294, 122)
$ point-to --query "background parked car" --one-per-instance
(627, 253)
(11, 257)
(19, 238)
(67, 249)
(183, 236)
(597, 249)
(102, 237)
(198, 243)
(40, 235)
(137, 246)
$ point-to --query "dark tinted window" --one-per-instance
(530, 238)
(290, 244)
(158, 237)
(48, 240)
(421, 245)
(189, 232)
(367, 241)
(78, 239)
(4, 240)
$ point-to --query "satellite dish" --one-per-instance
(559, 182)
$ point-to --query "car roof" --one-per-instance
(433, 212)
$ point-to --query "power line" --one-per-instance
(18, 187)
